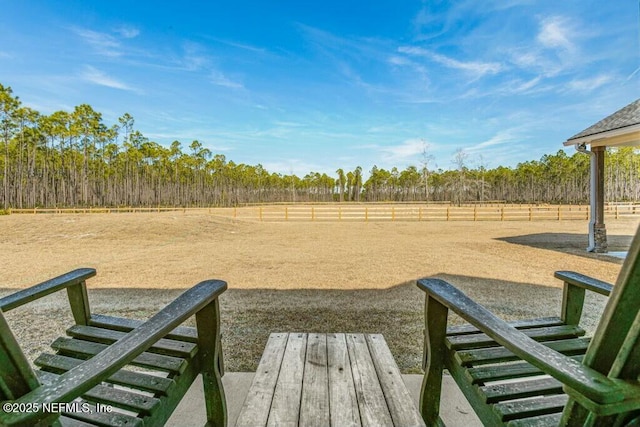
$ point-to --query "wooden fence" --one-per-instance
(377, 212)
(406, 212)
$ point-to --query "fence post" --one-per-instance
(475, 213)
(235, 214)
(559, 212)
(420, 213)
(530, 213)
(366, 214)
(286, 213)
(339, 213)
(260, 210)
(616, 211)
(313, 213)
(502, 213)
(448, 213)
(393, 213)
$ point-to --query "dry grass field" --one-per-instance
(296, 276)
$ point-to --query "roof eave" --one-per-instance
(628, 135)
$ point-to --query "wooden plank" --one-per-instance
(181, 333)
(138, 380)
(403, 411)
(550, 333)
(585, 282)
(45, 288)
(371, 402)
(70, 422)
(530, 407)
(85, 349)
(107, 336)
(285, 408)
(521, 389)
(518, 324)
(95, 417)
(314, 407)
(501, 354)
(120, 398)
(540, 421)
(343, 402)
(255, 410)
(490, 373)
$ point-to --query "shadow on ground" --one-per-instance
(574, 244)
(249, 316)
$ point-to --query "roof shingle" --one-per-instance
(625, 117)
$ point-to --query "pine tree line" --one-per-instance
(73, 159)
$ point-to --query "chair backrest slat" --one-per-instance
(17, 378)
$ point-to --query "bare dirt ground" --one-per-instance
(306, 276)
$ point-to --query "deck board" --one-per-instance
(255, 411)
(371, 402)
(311, 379)
(343, 402)
(285, 408)
(314, 407)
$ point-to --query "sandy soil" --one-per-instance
(296, 276)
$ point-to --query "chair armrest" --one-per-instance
(85, 376)
(45, 288)
(585, 282)
(584, 380)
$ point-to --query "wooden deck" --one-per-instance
(309, 379)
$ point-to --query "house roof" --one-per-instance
(620, 128)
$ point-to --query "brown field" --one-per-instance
(295, 276)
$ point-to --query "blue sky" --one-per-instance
(302, 86)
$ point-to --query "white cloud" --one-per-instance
(194, 59)
(555, 32)
(93, 75)
(477, 68)
(587, 85)
(407, 150)
(104, 44)
(501, 138)
(128, 32)
(219, 79)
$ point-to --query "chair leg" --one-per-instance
(435, 334)
(208, 324)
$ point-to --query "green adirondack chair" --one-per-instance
(86, 383)
(543, 371)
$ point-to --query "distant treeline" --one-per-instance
(73, 159)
